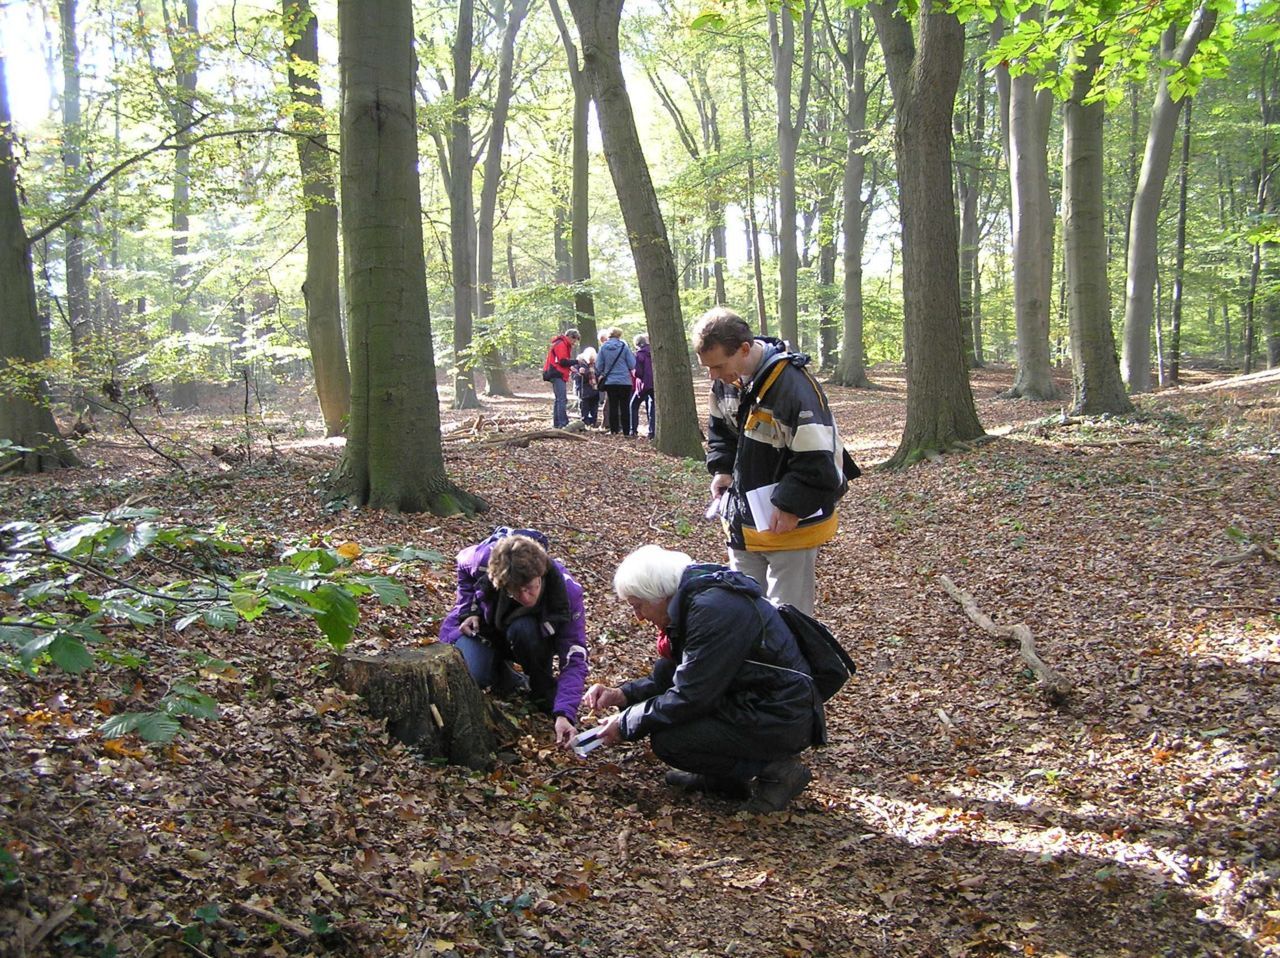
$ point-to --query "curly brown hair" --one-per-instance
(515, 562)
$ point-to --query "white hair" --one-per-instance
(651, 574)
(588, 355)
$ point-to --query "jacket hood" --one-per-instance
(705, 575)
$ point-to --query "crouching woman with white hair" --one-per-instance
(730, 703)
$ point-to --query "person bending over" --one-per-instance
(730, 703)
(517, 604)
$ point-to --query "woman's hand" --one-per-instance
(470, 625)
(602, 697)
(612, 733)
(565, 731)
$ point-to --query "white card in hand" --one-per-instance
(585, 742)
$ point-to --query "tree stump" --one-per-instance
(430, 702)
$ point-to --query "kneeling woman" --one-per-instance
(730, 702)
(517, 604)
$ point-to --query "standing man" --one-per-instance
(777, 464)
(555, 370)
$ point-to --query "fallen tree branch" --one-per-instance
(1055, 686)
(1257, 549)
(302, 931)
(522, 439)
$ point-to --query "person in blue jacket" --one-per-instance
(614, 364)
(730, 702)
(516, 604)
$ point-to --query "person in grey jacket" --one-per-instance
(730, 703)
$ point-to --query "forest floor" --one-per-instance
(958, 811)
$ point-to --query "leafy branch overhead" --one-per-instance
(76, 583)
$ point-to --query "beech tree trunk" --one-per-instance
(753, 223)
(77, 270)
(495, 372)
(184, 49)
(1180, 253)
(924, 77)
(430, 702)
(320, 288)
(1139, 308)
(462, 210)
(1095, 371)
(782, 45)
(584, 306)
(678, 433)
(394, 459)
(852, 368)
(1030, 112)
(25, 417)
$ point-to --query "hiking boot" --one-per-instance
(777, 785)
(711, 784)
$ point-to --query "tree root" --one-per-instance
(1054, 685)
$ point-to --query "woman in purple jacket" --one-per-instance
(517, 604)
(643, 394)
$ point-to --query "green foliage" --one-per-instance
(73, 582)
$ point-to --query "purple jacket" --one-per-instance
(644, 369)
(567, 624)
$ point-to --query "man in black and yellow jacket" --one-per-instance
(777, 463)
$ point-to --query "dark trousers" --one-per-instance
(589, 406)
(712, 746)
(487, 659)
(643, 398)
(620, 409)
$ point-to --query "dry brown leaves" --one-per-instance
(957, 811)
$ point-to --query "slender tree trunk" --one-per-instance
(782, 44)
(25, 417)
(462, 221)
(968, 183)
(1180, 254)
(184, 47)
(77, 271)
(924, 74)
(1135, 362)
(320, 289)
(852, 369)
(678, 433)
(753, 224)
(584, 306)
(394, 458)
(1095, 371)
(494, 366)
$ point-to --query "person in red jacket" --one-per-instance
(555, 370)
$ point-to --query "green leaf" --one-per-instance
(208, 914)
(121, 609)
(185, 700)
(708, 21)
(69, 541)
(249, 605)
(150, 726)
(69, 653)
(409, 554)
(337, 614)
(16, 635)
(321, 560)
(388, 590)
(221, 617)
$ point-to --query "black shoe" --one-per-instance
(777, 785)
(711, 784)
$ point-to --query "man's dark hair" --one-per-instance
(515, 562)
(721, 326)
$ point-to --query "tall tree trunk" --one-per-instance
(924, 76)
(394, 459)
(25, 417)
(852, 369)
(1135, 361)
(753, 223)
(968, 189)
(1030, 112)
(678, 432)
(1180, 252)
(462, 222)
(320, 289)
(77, 270)
(782, 44)
(584, 306)
(1095, 371)
(494, 366)
(184, 48)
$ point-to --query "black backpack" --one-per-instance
(829, 663)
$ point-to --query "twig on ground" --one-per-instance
(302, 931)
(52, 923)
(1257, 549)
(522, 439)
(1055, 685)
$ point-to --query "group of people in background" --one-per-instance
(730, 703)
(612, 373)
